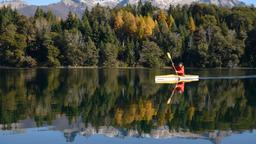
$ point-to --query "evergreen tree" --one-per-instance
(72, 22)
(91, 54)
(200, 35)
(197, 55)
(39, 13)
(43, 50)
(150, 55)
(109, 53)
(250, 51)
(12, 47)
(85, 27)
(73, 48)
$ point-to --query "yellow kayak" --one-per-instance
(172, 79)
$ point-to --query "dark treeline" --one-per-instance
(199, 35)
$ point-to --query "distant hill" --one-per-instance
(63, 7)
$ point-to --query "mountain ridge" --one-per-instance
(63, 7)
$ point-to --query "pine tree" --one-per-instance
(39, 13)
(85, 27)
(44, 51)
(109, 53)
(12, 47)
(91, 54)
(72, 22)
(73, 47)
(150, 55)
(250, 50)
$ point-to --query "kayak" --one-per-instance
(172, 79)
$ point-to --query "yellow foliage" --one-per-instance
(135, 112)
(119, 20)
(129, 22)
(142, 26)
(192, 25)
(150, 25)
(130, 114)
(191, 112)
(161, 16)
(171, 21)
(10, 103)
(150, 111)
(118, 116)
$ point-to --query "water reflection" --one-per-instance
(120, 103)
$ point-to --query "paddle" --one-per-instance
(169, 100)
(170, 57)
(173, 91)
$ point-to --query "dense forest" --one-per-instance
(199, 35)
(124, 99)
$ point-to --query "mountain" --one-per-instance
(63, 7)
(158, 3)
(77, 127)
(15, 4)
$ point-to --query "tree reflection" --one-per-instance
(126, 99)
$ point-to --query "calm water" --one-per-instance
(58, 106)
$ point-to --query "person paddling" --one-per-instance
(180, 69)
(179, 88)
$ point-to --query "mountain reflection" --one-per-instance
(120, 103)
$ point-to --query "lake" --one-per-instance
(125, 106)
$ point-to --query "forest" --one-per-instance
(198, 35)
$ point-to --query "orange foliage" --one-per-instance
(139, 25)
(119, 20)
(135, 112)
(129, 22)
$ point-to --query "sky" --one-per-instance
(41, 2)
(45, 2)
(250, 1)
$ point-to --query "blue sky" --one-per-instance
(41, 2)
(250, 1)
(44, 2)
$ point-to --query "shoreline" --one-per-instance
(96, 67)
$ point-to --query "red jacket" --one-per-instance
(180, 70)
(180, 87)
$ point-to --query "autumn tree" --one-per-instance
(191, 24)
(119, 22)
(129, 22)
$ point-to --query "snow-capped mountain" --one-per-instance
(13, 3)
(229, 3)
(63, 7)
(158, 3)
